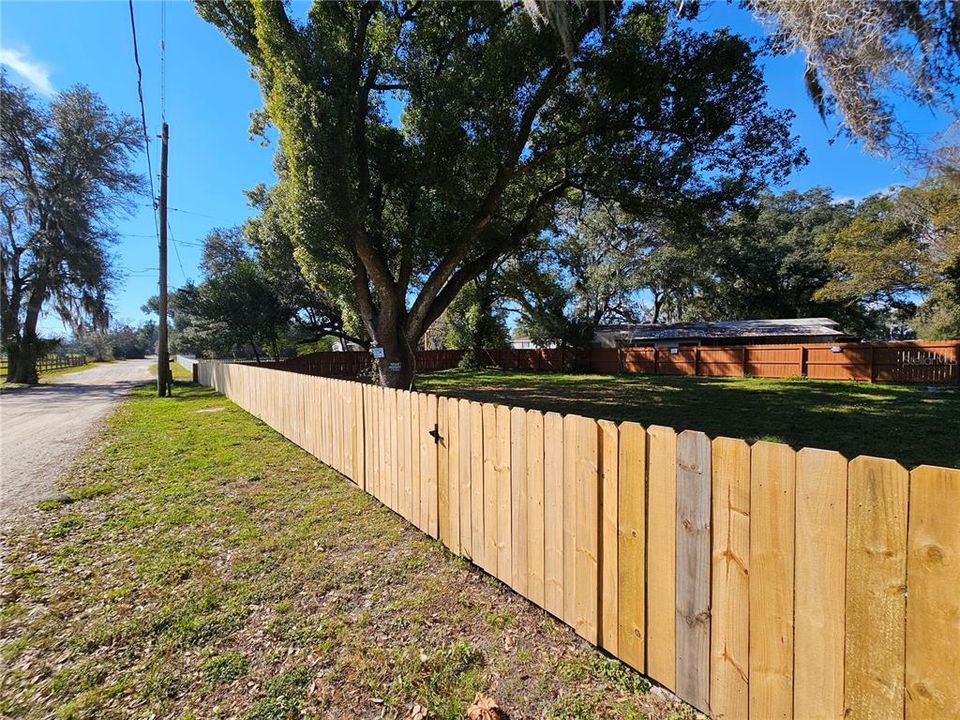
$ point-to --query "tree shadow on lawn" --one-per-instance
(908, 423)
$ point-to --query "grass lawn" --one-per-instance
(198, 566)
(907, 423)
(179, 372)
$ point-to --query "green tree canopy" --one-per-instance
(420, 142)
(66, 176)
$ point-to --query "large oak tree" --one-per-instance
(420, 142)
(65, 176)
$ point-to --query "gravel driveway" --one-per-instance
(43, 428)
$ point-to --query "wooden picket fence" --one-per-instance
(53, 361)
(753, 581)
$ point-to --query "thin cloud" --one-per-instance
(33, 72)
(885, 190)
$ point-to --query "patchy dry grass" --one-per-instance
(915, 425)
(200, 566)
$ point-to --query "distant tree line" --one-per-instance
(886, 267)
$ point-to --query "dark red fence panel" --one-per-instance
(896, 362)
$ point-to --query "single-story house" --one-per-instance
(525, 343)
(727, 332)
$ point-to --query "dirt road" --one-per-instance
(43, 428)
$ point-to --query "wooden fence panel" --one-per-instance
(359, 437)
(518, 499)
(504, 508)
(449, 511)
(429, 496)
(772, 501)
(404, 472)
(662, 555)
(569, 522)
(420, 445)
(464, 514)
(535, 507)
(631, 548)
(553, 510)
(477, 521)
(587, 524)
(821, 548)
(491, 553)
(610, 543)
(933, 610)
(876, 583)
(450, 489)
(693, 568)
(729, 629)
(756, 582)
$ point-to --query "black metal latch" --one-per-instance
(435, 434)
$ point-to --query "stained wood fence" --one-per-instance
(753, 581)
(50, 362)
(893, 362)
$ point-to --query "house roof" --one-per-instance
(800, 327)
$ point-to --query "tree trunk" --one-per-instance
(398, 366)
(22, 360)
(22, 363)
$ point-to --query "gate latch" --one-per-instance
(435, 434)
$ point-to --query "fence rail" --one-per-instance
(753, 581)
(50, 362)
(893, 362)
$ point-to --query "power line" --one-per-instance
(163, 60)
(143, 118)
(176, 250)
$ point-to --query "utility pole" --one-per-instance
(163, 352)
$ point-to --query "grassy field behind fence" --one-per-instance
(748, 579)
(913, 425)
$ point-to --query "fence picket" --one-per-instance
(772, 498)
(631, 546)
(491, 552)
(450, 490)
(553, 508)
(464, 513)
(443, 475)
(730, 602)
(933, 612)
(609, 546)
(429, 509)
(587, 524)
(418, 450)
(821, 548)
(504, 497)
(693, 568)
(569, 518)
(661, 554)
(535, 507)
(876, 580)
(518, 498)
(476, 482)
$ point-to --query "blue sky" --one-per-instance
(209, 95)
